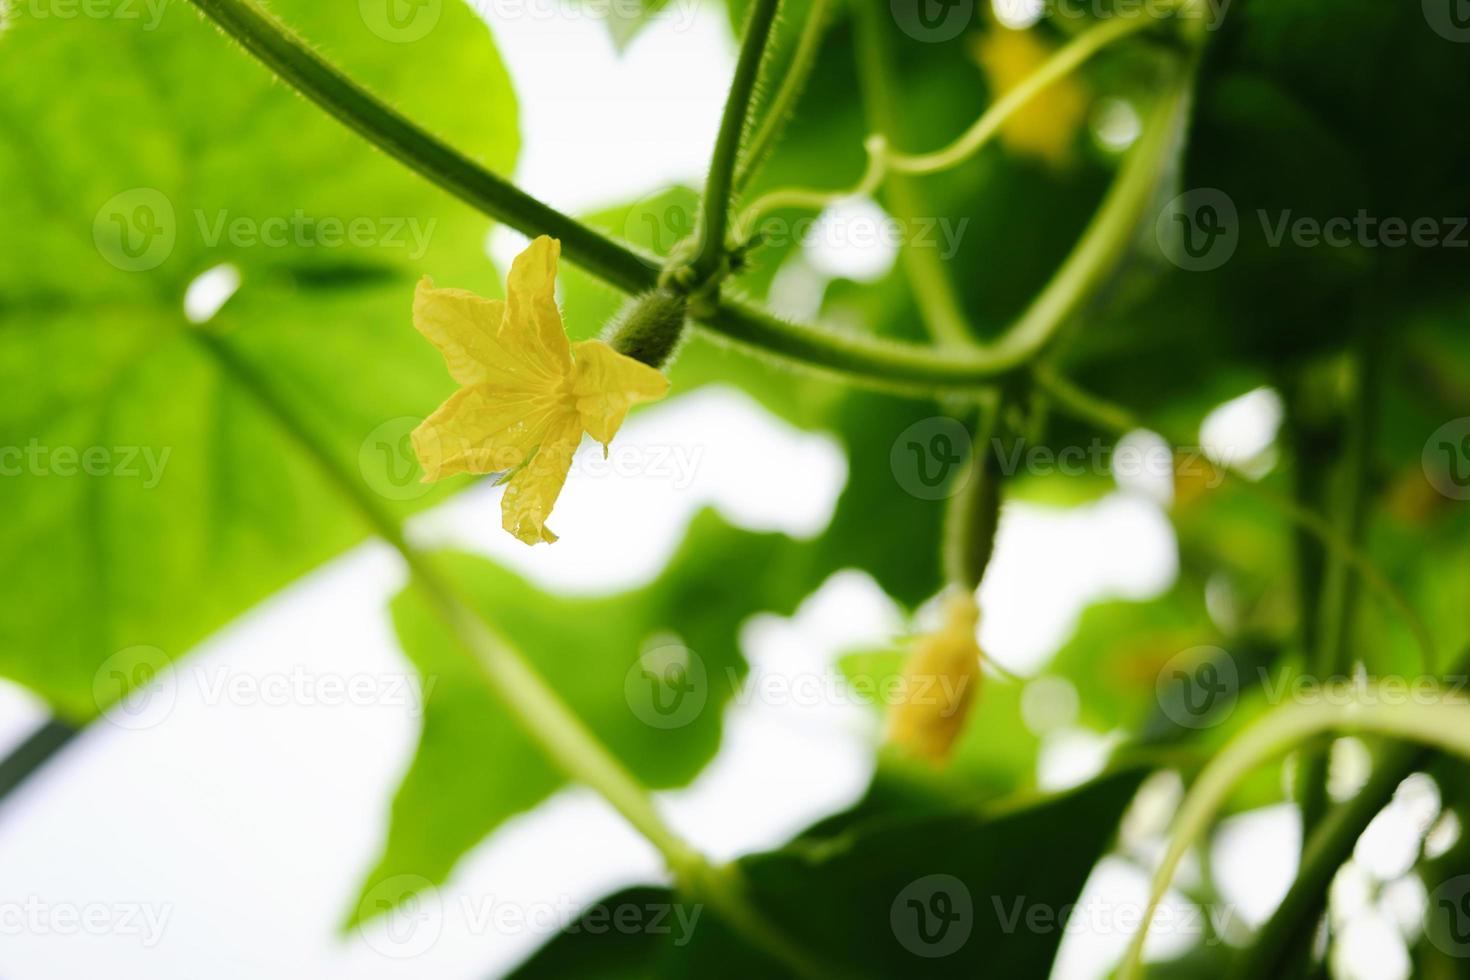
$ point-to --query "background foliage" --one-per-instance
(1301, 107)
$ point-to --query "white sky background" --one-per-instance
(248, 826)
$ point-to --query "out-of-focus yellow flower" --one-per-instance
(1046, 126)
(940, 680)
(528, 394)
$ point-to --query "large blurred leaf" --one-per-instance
(607, 657)
(1163, 675)
(932, 896)
(1121, 647)
(136, 153)
(1288, 131)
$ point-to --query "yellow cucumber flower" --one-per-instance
(941, 678)
(527, 395)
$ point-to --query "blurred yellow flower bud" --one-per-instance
(941, 679)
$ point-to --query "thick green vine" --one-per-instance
(863, 360)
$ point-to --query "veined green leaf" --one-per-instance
(148, 498)
(648, 670)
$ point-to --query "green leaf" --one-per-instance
(605, 656)
(625, 21)
(1116, 654)
(888, 486)
(616, 953)
(1282, 130)
(1163, 673)
(136, 155)
(853, 901)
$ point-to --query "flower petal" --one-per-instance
(532, 325)
(607, 384)
(531, 492)
(481, 430)
(467, 329)
(463, 327)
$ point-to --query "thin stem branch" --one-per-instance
(1336, 594)
(812, 199)
(719, 186)
(1312, 442)
(1436, 720)
(49, 738)
(939, 305)
(294, 60)
(808, 46)
(1103, 242)
(1353, 509)
(1324, 850)
(882, 158)
(559, 732)
(1111, 229)
(536, 708)
(1067, 59)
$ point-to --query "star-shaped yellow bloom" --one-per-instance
(528, 394)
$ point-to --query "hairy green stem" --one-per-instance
(536, 708)
(1437, 721)
(808, 46)
(867, 361)
(972, 513)
(714, 215)
(297, 63)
